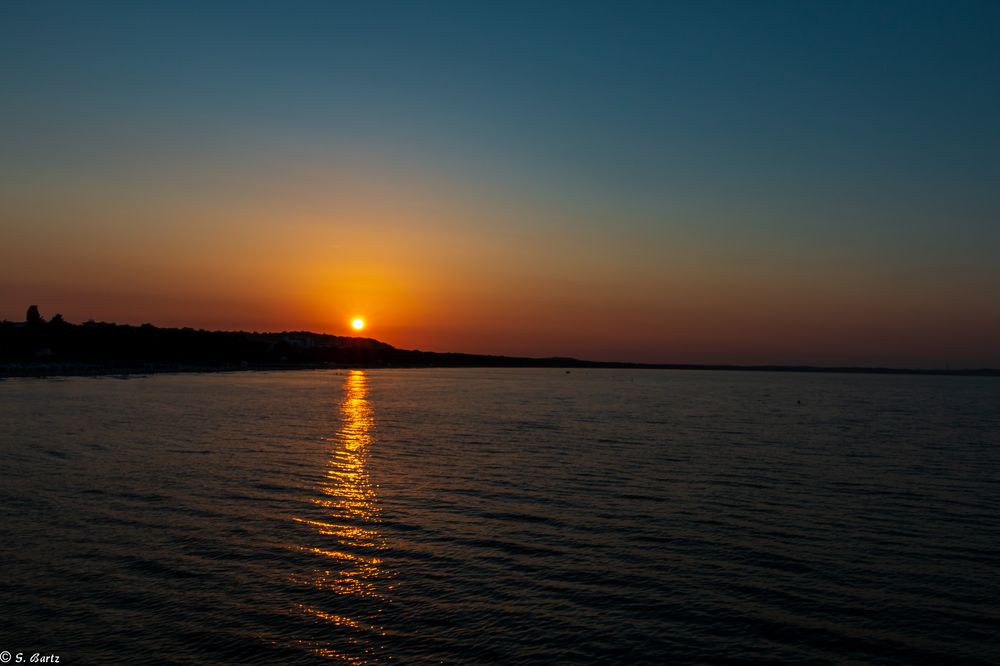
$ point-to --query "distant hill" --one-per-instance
(39, 347)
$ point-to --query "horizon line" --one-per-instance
(562, 361)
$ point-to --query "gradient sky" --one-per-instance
(780, 182)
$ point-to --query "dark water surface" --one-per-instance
(501, 516)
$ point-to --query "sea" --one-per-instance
(500, 516)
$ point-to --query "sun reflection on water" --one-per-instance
(348, 553)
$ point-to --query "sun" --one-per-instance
(358, 324)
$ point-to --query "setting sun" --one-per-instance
(358, 324)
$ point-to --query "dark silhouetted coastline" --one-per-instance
(36, 347)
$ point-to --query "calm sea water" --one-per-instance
(501, 516)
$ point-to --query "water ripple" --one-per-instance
(501, 516)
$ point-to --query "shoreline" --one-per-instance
(82, 369)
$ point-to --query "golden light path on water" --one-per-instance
(350, 565)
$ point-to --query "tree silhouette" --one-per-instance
(33, 317)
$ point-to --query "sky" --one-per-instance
(699, 182)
